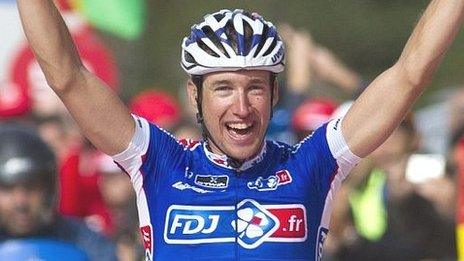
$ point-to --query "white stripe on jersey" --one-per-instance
(131, 160)
(345, 159)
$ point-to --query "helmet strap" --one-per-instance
(272, 83)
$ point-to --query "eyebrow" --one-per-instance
(215, 83)
(229, 82)
(257, 80)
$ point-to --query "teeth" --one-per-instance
(239, 126)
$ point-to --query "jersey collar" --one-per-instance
(221, 160)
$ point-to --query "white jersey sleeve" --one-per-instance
(131, 158)
(346, 159)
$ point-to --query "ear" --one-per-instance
(275, 89)
(192, 92)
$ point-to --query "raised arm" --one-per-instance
(101, 115)
(382, 106)
(330, 68)
(299, 48)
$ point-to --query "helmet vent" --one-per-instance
(231, 34)
(263, 40)
(248, 41)
(208, 31)
(271, 47)
(189, 58)
(219, 16)
(206, 48)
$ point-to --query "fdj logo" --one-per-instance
(192, 224)
(251, 223)
(197, 224)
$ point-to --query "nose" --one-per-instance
(242, 105)
(20, 196)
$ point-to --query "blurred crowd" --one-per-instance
(400, 203)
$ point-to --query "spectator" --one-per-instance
(28, 193)
(386, 204)
(157, 107)
(119, 198)
(308, 65)
(457, 158)
(311, 114)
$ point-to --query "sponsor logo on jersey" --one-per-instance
(147, 237)
(254, 224)
(210, 181)
(185, 186)
(250, 224)
(321, 236)
(281, 177)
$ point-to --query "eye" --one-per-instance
(222, 88)
(257, 89)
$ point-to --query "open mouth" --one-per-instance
(239, 129)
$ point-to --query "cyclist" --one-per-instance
(235, 195)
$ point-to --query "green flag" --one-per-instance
(124, 18)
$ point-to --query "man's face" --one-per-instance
(236, 110)
(21, 208)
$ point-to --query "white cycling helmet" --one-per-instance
(231, 41)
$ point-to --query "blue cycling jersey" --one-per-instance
(194, 206)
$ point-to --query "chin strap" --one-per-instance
(234, 163)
